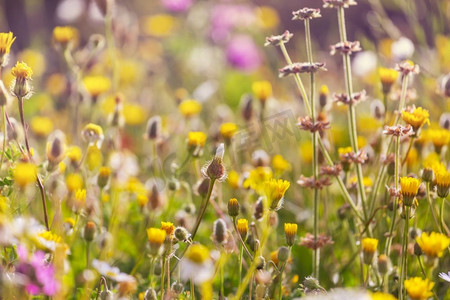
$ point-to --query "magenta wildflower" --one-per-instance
(243, 54)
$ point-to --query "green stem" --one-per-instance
(421, 267)
(404, 263)
(152, 271)
(222, 293)
(443, 226)
(352, 112)
(433, 212)
(163, 273)
(87, 253)
(4, 135)
(199, 220)
(241, 254)
(192, 290)
(394, 211)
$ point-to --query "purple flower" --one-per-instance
(243, 54)
(176, 5)
(226, 17)
(38, 274)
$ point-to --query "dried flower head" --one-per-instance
(354, 99)
(398, 130)
(276, 40)
(331, 170)
(215, 168)
(310, 182)
(306, 13)
(310, 242)
(306, 123)
(297, 68)
(346, 47)
(338, 3)
(407, 67)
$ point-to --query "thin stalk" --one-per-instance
(241, 253)
(433, 213)
(152, 271)
(241, 240)
(366, 281)
(421, 266)
(315, 162)
(4, 135)
(192, 290)
(352, 112)
(324, 150)
(87, 253)
(222, 293)
(443, 225)
(396, 181)
(411, 142)
(404, 263)
(280, 278)
(163, 273)
(199, 220)
(30, 157)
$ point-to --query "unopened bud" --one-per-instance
(233, 207)
(103, 176)
(150, 294)
(220, 231)
(383, 264)
(181, 234)
(283, 254)
(247, 108)
(261, 262)
(417, 249)
(153, 131)
(259, 209)
(89, 231)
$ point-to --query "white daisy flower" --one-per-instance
(445, 276)
(197, 264)
(111, 272)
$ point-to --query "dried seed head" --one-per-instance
(276, 40)
(298, 68)
(445, 85)
(444, 121)
(306, 13)
(347, 47)
(150, 294)
(377, 109)
(259, 209)
(220, 231)
(153, 131)
(338, 3)
(56, 147)
(215, 169)
(203, 186)
(247, 107)
(260, 158)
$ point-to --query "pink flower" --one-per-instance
(243, 54)
(176, 5)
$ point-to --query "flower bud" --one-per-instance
(247, 107)
(153, 131)
(177, 287)
(383, 264)
(377, 108)
(290, 231)
(261, 262)
(417, 249)
(215, 169)
(259, 209)
(89, 231)
(445, 85)
(220, 231)
(414, 233)
(233, 207)
(150, 294)
(181, 234)
(369, 247)
(323, 96)
(427, 175)
(260, 158)
(96, 42)
(56, 147)
(203, 186)
(283, 254)
(173, 185)
(103, 176)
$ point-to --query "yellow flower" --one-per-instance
(41, 126)
(279, 164)
(56, 84)
(80, 195)
(439, 138)
(190, 107)
(228, 130)
(324, 90)
(267, 17)
(367, 181)
(262, 90)
(417, 118)
(290, 231)
(74, 154)
(242, 228)
(197, 253)
(274, 257)
(94, 158)
(257, 177)
(159, 25)
(168, 227)
(156, 238)
(306, 151)
(274, 191)
(433, 244)
(22, 71)
(344, 150)
(96, 85)
(74, 182)
(134, 114)
(93, 133)
(24, 174)
(412, 157)
(409, 187)
(387, 78)
(369, 245)
(196, 139)
(418, 288)
(6, 41)
(142, 199)
(442, 181)
(233, 179)
(65, 34)
(382, 296)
